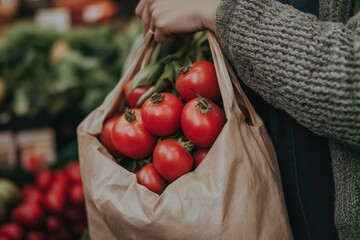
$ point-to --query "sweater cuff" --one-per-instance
(224, 16)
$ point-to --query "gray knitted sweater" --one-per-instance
(310, 68)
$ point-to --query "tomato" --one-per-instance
(202, 121)
(54, 201)
(12, 231)
(5, 238)
(202, 78)
(150, 178)
(27, 214)
(198, 155)
(105, 136)
(44, 179)
(161, 113)
(60, 182)
(171, 160)
(54, 224)
(76, 195)
(133, 97)
(73, 171)
(35, 236)
(130, 137)
(32, 194)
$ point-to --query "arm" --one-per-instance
(309, 68)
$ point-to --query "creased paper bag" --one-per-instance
(235, 194)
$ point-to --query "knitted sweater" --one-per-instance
(310, 68)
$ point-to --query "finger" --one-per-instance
(162, 37)
(140, 8)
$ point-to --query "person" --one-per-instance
(300, 66)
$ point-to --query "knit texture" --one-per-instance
(310, 69)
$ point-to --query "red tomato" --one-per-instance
(133, 97)
(161, 113)
(12, 231)
(202, 121)
(202, 78)
(5, 238)
(76, 195)
(150, 178)
(54, 201)
(28, 214)
(198, 155)
(60, 182)
(105, 136)
(35, 236)
(73, 171)
(44, 179)
(32, 194)
(54, 224)
(171, 160)
(131, 138)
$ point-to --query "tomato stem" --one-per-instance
(130, 115)
(186, 144)
(157, 98)
(188, 65)
(203, 103)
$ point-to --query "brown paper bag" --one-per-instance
(235, 193)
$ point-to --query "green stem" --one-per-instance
(157, 98)
(203, 103)
(130, 115)
(186, 143)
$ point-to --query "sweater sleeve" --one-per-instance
(309, 68)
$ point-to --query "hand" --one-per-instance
(168, 17)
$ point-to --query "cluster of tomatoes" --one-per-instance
(52, 208)
(176, 130)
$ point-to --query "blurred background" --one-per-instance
(58, 60)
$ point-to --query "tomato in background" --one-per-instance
(202, 121)
(133, 97)
(130, 137)
(105, 136)
(54, 224)
(199, 154)
(73, 171)
(151, 179)
(12, 231)
(32, 194)
(27, 214)
(34, 235)
(161, 113)
(76, 195)
(54, 201)
(44, 179)
(200, 77)
(60, 182)
(171, 159)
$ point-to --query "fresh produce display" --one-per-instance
(51, 208)
(173, 114)
(53, 71)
